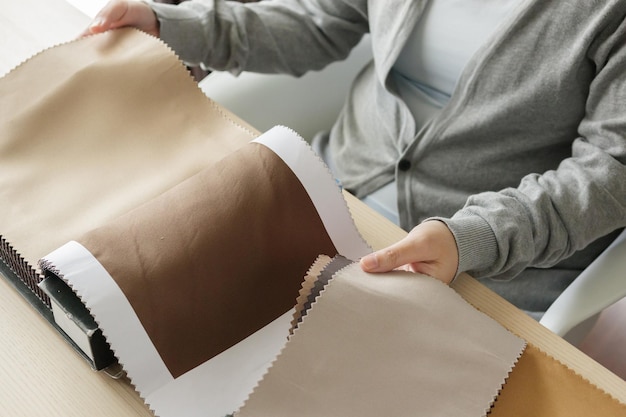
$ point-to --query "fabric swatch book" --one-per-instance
(218, 265)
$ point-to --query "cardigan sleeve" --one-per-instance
(275, 36)
(551, 215)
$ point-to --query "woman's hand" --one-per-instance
(123, 13)
(430, 248)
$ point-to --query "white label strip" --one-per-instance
(113, 313)
(321, 187)
(220, 385)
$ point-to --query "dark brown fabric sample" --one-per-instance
(217, 257)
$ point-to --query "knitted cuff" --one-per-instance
(475, 241)
(181, 29)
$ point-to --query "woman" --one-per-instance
(495, 128)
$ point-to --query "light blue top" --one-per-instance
(428, 68)
(446, 36)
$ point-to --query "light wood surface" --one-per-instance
(42, 375)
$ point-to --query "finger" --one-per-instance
(395, 256)
(93, 28)
(110, 17)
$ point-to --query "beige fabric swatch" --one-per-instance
(397, 344)
(83, 136)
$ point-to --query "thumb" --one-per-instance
(395, 256)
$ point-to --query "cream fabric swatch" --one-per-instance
(397, 344)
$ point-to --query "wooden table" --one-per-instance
(42, 375)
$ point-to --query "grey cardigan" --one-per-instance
(526, 164)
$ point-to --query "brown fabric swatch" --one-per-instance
(217, 257)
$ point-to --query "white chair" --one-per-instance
(310, 104)
(600, 285)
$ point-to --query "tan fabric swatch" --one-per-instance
(307, 285)
(397, 344)
(216, 258)
(540, 386)
(96, 127)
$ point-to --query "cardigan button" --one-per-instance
(404, 165)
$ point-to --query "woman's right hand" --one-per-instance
(124, 13)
